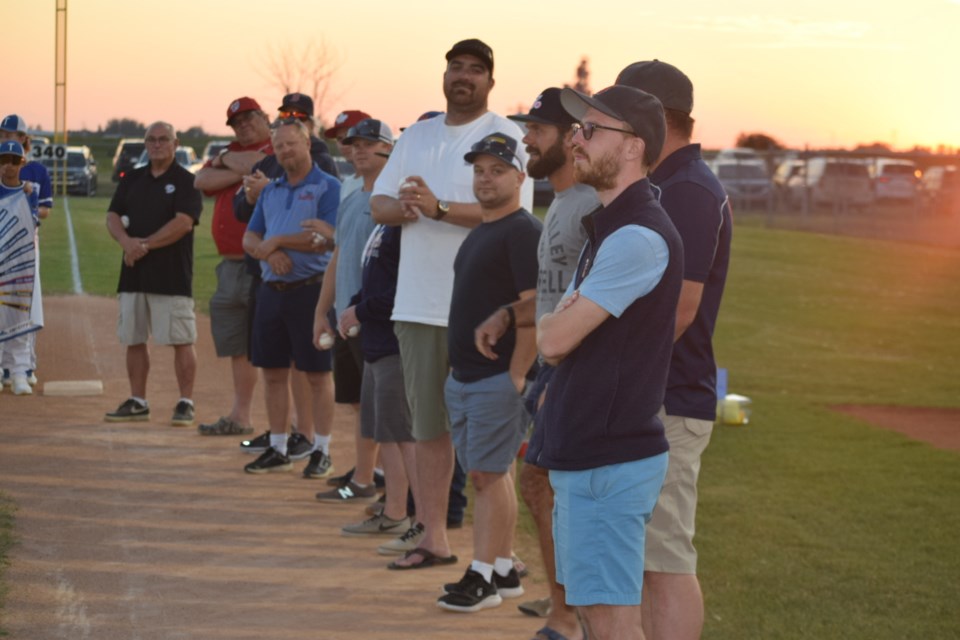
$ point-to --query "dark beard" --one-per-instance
(550, 160)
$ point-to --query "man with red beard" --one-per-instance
(229, 306)
(610, 339)
(427, 187)
(549, 141)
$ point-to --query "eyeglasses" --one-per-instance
(587, 129)
(160, 140)
(11, 160)
(299, 115)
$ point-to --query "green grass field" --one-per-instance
(812, 524)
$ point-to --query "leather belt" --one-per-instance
(280, 285)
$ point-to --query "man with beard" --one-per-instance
(549, 143)
(292, 260)
(230, 304)
(698, 206)
(495, 266)
(610, 340)
(427, 187)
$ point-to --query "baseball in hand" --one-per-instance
(125, 221)
(407, 183)
(353, 331)
(326, 341)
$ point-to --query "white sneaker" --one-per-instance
(20, 386)
(32, 378)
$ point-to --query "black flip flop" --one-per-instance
(430, 559)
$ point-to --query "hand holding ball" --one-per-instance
(353, 331)
(326, 341)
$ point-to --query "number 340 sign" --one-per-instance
(48, 151)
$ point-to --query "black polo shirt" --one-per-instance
(151, 202)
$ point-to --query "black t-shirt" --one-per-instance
(151, 202)
(496, 261)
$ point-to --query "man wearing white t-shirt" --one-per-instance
(427, 187)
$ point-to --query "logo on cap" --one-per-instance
(234, 106)
(341, 118)
(538, 102)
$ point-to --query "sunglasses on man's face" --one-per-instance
(10, 160)
(299, 115)
(587, 129)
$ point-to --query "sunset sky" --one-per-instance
(817, 72)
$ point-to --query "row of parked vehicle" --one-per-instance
(131, 153)
(833, 181)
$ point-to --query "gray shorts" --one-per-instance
(423, 354)
(230, 309)
(487, 422)
(384, 415)
(169, 319)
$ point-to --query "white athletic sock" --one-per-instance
(503, 566)
(484, 569)
(279, 442)
(322, 443)
(377, 471)
(187, 400)
(141, 401)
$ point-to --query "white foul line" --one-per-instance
(74, 259)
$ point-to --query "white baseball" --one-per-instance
(353, 331)
(125, 221)
(326, 341)
(407, 183)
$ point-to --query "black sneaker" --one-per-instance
(269, 460)
(472, 593)
(182, 414)
(507, 586)
(298, 447)
(258, 445)
(350, 493)
(129, 411)
(320, 465)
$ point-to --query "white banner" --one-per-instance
(21, 310)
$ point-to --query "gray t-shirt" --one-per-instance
(354, 226)
(562, 240)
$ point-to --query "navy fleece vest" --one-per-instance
(602, 403)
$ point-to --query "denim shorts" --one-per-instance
(487, 422)
(599, 522)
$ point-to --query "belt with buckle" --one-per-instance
(280, 285)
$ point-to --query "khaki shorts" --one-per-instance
(169, 319)
(230, 309)
(671, 530)
(423, 356)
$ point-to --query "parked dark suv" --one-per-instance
(81, 171)
(128, 150)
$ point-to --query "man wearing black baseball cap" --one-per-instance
(495, 266)
(610, 340)
(698, 206)
(427, 187)
(548, 139)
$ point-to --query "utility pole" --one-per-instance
(60, 91)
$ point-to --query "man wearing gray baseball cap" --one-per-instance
(610, 340)
(695, 201)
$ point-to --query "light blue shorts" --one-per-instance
(599, 522)
(487, 422)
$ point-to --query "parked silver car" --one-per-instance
(79, 168)
(836, 182)
(746, 182)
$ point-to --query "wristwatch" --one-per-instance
(443, 208)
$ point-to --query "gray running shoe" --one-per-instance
(224, 426)
(182, 414)
(377, 526)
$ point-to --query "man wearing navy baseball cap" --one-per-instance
(495, 266)
(696, 202)
(610, 340)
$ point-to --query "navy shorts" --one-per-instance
(283, 330)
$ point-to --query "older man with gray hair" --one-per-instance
(152, 216)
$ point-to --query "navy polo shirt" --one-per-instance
(700, 210)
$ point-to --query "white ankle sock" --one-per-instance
(503, 566)
(141, 401)
(279, 442)
(484, 569)
(322, 443)
(187, 400)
